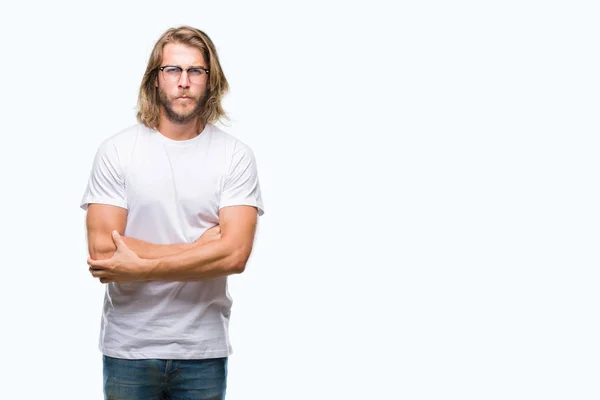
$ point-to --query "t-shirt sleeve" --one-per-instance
(106, 184)
(242, 187)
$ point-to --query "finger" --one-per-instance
(99, 273)
(117, 239)
(97, 263)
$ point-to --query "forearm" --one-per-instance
(153, 251)
(103, 249)
(218, 258)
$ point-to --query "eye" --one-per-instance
(195, 71)
(172, 70)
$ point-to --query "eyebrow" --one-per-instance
(193, 66)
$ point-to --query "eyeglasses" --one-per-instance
(173, 73)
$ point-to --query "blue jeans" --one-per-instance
(164, 379)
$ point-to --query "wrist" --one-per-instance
(151, 270)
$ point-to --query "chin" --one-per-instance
(181, 113)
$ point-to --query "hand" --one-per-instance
(123, 267)
(209, 235)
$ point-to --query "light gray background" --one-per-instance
(430, 177)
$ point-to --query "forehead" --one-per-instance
(180, 54)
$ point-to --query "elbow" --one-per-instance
(237, 266)
(101, 250)
(238, 260)
(237, 269)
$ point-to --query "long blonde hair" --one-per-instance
(148, 104)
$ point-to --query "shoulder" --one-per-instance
(231, 143)
(120, 145)
(126, 137)
(116, 149)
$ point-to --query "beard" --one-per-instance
(185, 116)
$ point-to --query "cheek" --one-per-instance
(200, 90)
(168, 90)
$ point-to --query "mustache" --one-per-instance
(189, 95)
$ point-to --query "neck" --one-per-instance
(175, 131)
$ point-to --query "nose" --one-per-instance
(184, 80)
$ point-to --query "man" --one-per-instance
(172, 206)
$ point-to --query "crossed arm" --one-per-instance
(222, 250)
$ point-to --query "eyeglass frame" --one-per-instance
(187, 70)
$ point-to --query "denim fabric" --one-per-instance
(164, 379)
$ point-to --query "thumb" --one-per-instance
(117, 239)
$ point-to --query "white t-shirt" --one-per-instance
(173, 191)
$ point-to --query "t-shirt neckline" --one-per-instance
(185, 142)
